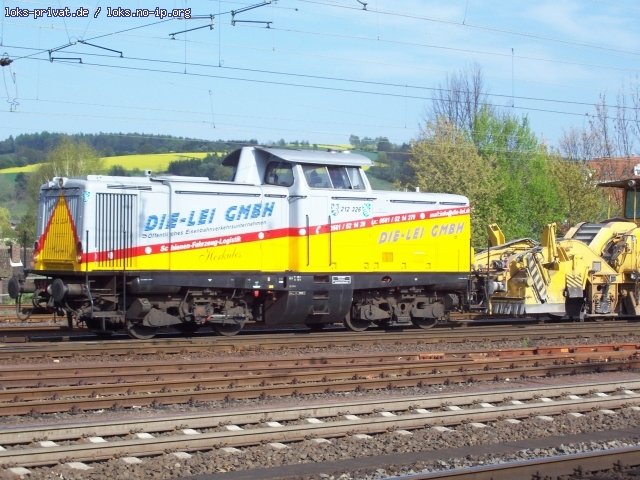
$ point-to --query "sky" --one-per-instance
(317, 71)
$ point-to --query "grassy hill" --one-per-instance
(156, 162)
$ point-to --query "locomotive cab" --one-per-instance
(630, 193)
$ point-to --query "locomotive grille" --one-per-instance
(115, 229)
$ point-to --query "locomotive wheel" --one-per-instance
(355, 324)
(141, 332)
(424, 323)
(227, 329)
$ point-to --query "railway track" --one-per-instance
(118, 377)
(345, 424)
(58, 388)
(309, 368)
(55, 329)
(260, 341)
(596, 464)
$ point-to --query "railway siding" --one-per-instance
(25, 447)
(60, 389)
(313, 404)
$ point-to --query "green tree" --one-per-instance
(581, 199)
(26, 229)
(118, 171)
(529, 197)
(20, 186)
(7, 234)
(70, 158)
(444, 159)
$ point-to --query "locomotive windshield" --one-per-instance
(333, 176)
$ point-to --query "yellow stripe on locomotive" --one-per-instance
(418, 245)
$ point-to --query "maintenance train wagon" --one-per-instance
(297, 237)
(592, 272)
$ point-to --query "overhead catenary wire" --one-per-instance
(507, 97)
(466, 24)
(625, 68)
(394, 88)
(511, 55)
(271, 128)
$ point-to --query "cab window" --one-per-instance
(279, 173)
(339, 177)
(333, 176)
(317, 176)
(355, 178)
(631, 203)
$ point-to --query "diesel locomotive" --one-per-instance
(295, 237)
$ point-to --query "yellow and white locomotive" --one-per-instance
(297, 237)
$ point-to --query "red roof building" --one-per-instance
(615, 168)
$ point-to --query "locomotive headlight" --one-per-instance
(61, 182)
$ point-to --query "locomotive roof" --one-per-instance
(305, 156)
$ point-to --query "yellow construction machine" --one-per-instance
(594, 271)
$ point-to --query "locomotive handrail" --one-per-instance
(422, 202)
(229, 194)
(368, 199)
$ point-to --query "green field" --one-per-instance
(26, 169)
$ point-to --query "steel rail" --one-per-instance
(411, 420)
(93, 397)
(26, 434)
(280, 341)
(548, 467)
(21, 376)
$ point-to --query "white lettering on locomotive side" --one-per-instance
(392, 236)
